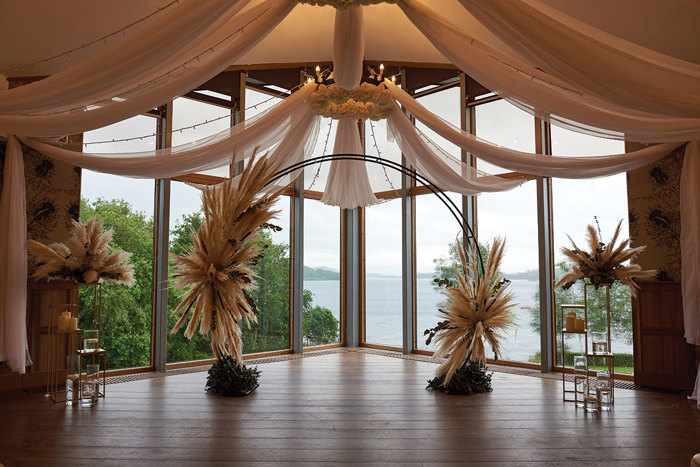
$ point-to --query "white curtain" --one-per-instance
(535, 164)
(13, 266)
(263, 131)
(163, 84)
(162, 45)
(446, 172)
(690, 242)
(348, 47)
(604, 66)
(542, 94)
(348, 184)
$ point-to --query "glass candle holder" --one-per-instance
(580, 380)
(72, 380)
(91, 385)
(91, 339)
(599, 342)
(604, 389)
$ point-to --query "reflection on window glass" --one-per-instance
(383, 302)
(512, 215)
(321, 273)
(437, 234)
(576, 204)
(126, 206)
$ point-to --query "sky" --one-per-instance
(511, 214)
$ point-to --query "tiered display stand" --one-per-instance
(568, 388)
(65, 342)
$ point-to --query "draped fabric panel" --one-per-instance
(690, 242)
(534, 164)
(603, 66)
(446, 172)
(348, 184)
(544, 95)
(348, 47)
(13, 267)
(164, 44)
(263, 131)
(253, 25)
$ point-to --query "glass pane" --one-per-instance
(576, 204)
(437, 231)
(512, 215)
(500, 122)
(437, 234)
(321, 273)
(126, 206)
(273, 293)
(189, 117)
(382, 256)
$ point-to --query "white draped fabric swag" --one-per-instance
(616, 90)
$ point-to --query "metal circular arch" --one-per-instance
(449, 204)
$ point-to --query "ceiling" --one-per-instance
(32, 30)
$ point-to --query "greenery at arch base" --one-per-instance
(127, 311)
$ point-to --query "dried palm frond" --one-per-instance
(217, 271)
(478, 308)
(84, 257)
(602, 265)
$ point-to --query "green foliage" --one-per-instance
(444, 267)
(126, 311)
(622, 360)
(471, 378)
(320, 326)
(228, 378)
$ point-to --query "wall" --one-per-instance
(653, 194)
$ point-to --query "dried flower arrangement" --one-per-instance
(363, 102)
(602, 265)
(478, 308)
(345, 4)
(217, 270)
(84, 257)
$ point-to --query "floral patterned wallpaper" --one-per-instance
(53, 194)
(653, 194)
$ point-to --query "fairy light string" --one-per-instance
(85, 45)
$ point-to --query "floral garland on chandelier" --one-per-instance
(363, 102)
(345, 4)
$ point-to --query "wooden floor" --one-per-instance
(350, 408)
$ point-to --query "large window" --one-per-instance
(126, 206)
(512, 215)
(437, 231)
(383, 289)
(578, 203)
(321, 273)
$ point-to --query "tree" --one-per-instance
(445, 266)
(320, 326)
(126, 311)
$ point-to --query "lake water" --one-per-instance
(383, 313)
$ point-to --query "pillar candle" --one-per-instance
(73, 323)
(61, 323)
(570, 323)
(580, 325)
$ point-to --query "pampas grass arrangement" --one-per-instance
(217, 270)
(84, 257)
(602, 264)
(478, 308)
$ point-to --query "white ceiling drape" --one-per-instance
(160, 83)
(592, 61)
(540, 93)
